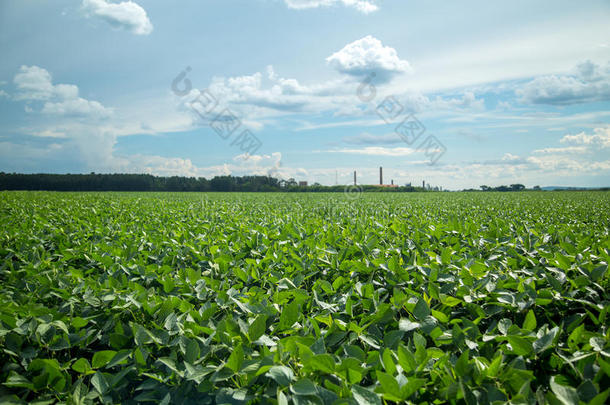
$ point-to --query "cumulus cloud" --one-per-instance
(580, 157)
(262, 97)
(34, 83)
(509, 157)
(589, 83)
(263, 165)
(124, 15)
(77, 106)
(258, 97)
(599, 139)
(562, 163)
(364, 6)
(368, 56)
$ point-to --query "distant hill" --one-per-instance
(551, 188)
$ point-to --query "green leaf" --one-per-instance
(597, 343)
(567, 395)
(281, 398)
(586, 391)
(119, 358)
(100, 383)
(388, 361)
(289, 315)
(81, 366)
(101, 358)
(530, 321)
(257, 328)
(236, 358)
(421, 310)
(406, 359)
(411, 387)
(79, 393)
(304, 387)
(170, 363)
(391, 390)
(16, 380)
(363, 396)
(322, 362)
(601, 398)
(192, 351)
(599, 272)
(519, 345)
(78, 322)
(494, 366)
(450, 301)
(440, 316)
(281, 375)
(406, 325)
(545, 341)
(504, 325)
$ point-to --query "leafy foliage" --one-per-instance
(284, 298)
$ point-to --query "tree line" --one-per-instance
(147, 182)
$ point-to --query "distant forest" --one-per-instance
(147, 182)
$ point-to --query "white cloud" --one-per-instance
(364, 6)
(599, 139)
(35, 84)
(465, 101)
(49, 133)
(126, 15)
(258, 97)
(551, 163)
(509, 157)
(559, 163)
(368, 56)
(589, 83)
(375, 151)
(568, 149)
(264, 165)
(76, 107)
(370, 139)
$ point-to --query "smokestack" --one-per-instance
(354, 177)
(380, 175)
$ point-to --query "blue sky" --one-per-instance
(457, 94)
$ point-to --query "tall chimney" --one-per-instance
(380, 175)
(354, 177)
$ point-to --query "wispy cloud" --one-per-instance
(374, 150)
(370, 139)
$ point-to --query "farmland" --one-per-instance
(305, 299)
